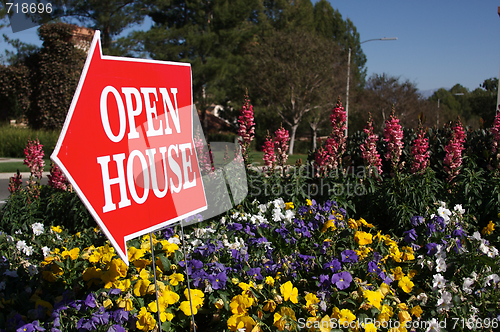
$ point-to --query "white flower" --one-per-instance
(32, 270)
(444, 303)
(440, 265)
(20, 245)
(484, 248)
(492, 277)
(46, 251)
(278, 215)
(289, 214)
(459, 209)
(28, 251)
(223, 220)
(445, 213)
(433, 326)
(439, 281)
(493, 252)
(10, 273)
(262, 208)
(423, 298)
(37, 228)
(468, 282)
(18, 232)
(174, 240)
(476, 236)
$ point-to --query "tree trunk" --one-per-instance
(292, 138)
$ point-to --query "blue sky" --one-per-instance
(440, 43)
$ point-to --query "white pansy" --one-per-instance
(174, 240)
(46, 251)
(18, 232)
(20, 245)
(278, 215)
(433, 326)
(262, 208)
(422, 297)
(493, 252)
(438, 281)
(289, 215)
(223, 220)
(459, 209)
(467, 287)
(37, 228)
(476, 236)
(444, 302)
(28, 250)
(444, 213)
(196, 243)
(491, 280)
(440, 265)
(484, 248)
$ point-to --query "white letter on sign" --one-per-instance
(174, 112)
(104, 114)
(174, 166)
(128, 92)
(151, 155)
(187, 164)
(107, 182)
(131, 179)
(150, 111)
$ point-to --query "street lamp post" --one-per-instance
(348, 74)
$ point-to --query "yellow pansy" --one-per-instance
(289, 206)
(141, 287)
(352, 223)
(92, 275)
(289, 292)
(416, 311)
(362, 238)
(327, 225)
(374, 298)
(405, 284)
(170, 297)
(397, 273)
(269, 281)
(175, 279)
(135, 254)
(125, 303)
(240, 303)
(404, 316)
(241, 322)
(369, 327)
(107, 303)
(488, 229)
(186, 308)
(56, 229)
(145, 321)
(346, 316)
(269, 305)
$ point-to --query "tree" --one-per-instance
(54, 75)
(383, 92)
(111, 17)
(295, 72)
(208, 34)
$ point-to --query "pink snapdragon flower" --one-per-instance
(34, 158)
(281, 141)
(369, 151)
(246, 129)
(57, 179)
(16, 183)
(420, 152)
(321, 160)
(393, 136)
(454, 148)
(269, 156)
(495, 131)
(336, 144)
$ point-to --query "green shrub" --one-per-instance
(14, 140)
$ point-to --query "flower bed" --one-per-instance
(271, 266)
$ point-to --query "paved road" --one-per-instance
(4, 181)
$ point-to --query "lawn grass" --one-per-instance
(13, 166)
(256, 158)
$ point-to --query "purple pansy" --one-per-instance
(342, 280)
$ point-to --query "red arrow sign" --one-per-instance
(127, 145)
